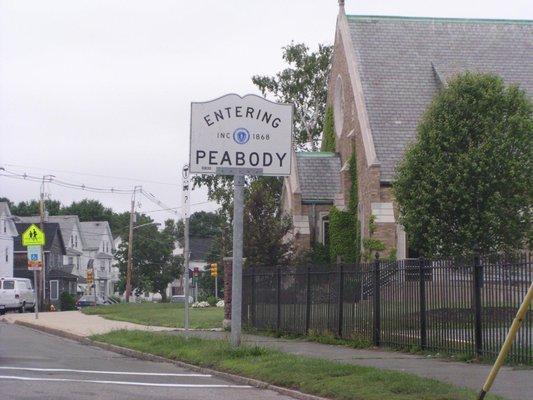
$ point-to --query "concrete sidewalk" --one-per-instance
(511, 383)
(77, 323)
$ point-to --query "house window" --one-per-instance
(5, 227)
(70, 260)
(54, 290)
(338, 106)
(7, 254)
(325, 231)
(71, 241)
(76, 240)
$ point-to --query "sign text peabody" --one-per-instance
(234, 132)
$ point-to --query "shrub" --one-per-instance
(67, 302)
(212, 300)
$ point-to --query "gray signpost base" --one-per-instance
(36, 291)
(236, 290)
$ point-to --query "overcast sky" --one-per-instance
(98, 91)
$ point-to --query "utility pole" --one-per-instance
(42, 280)
(185, 204)
(236, 282)
(130, 244)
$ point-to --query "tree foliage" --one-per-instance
(328, 137)
(343, 236)
(466, 184)
(344, 226)
(304, 84)
(154, 265)
(264, 227)
(203, 224)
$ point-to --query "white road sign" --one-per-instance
(234, 134)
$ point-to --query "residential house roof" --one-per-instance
(318, 176)
(93, 232)
(402, 62)
(66, 224)
(10, 224)
(51, 230)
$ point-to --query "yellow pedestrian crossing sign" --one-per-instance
(33, 236)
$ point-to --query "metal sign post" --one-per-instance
(185, 204)
(240, 136)
(236, 281)
(34, 239)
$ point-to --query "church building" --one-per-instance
(385, 72)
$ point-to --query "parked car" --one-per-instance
(89, 300)
(16, 294)
(179, 298)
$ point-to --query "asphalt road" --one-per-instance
(35, 365)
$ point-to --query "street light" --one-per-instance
(130, 256)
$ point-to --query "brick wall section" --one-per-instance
(369, 187)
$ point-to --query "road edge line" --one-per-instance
(152, 357)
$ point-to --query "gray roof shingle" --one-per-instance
(318, 175)
(66, 224)
(402, 61)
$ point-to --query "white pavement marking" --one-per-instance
(176, 385)
(105, 372)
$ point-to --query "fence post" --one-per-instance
(478, 276)
(252, 273)
(341, 300)
(422, 292)
(376, 301)
(278, 298)
(307, 299)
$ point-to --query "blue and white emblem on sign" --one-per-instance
(241, 135)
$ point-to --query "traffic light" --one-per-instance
(214, 269)
(90, 276)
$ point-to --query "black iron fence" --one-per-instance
(462, 306)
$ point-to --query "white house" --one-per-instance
(98, 254)
(8, 231)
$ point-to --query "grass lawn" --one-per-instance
(323, 378)
(160, 314)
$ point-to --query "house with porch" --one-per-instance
(57, 279)
(385, 72)
(98, 254)
(71, 232)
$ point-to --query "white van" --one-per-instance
(16, 294)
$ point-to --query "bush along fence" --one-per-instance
(454, 306)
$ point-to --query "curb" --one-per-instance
(151, 357)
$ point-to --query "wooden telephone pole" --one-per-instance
(130, 244)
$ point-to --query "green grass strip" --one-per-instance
(160, 314)
(310, 375)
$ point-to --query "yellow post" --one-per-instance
(508, 343)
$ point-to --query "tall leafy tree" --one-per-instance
(304, 84)
(154, 265)
(467, 182)
(32, 207)
(264, 227)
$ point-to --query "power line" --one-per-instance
(95, 175)
(94, 189)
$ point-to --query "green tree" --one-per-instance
(467, 182)
(304, 84)
(264, 227)
(154, 265)
(32, 207)
(89, 210)
(203, 224)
